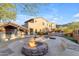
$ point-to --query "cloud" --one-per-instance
(76, 15)
(20, 19)
(58, 18)
(55, 18)
(76, 20)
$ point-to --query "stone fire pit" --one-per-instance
(40, 50)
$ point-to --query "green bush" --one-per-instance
(71, 38)
(42, 33)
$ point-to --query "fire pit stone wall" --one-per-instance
(40, 50)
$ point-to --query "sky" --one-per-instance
(59, 13)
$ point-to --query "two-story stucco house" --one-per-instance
(35, 25)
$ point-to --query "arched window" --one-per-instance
(35, 30)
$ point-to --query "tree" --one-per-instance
(7, 12)
(32, 8)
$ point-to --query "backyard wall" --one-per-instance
(76, 36)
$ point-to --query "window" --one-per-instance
(43, 23)
(35, 30)
(35, 21)
(31, 31)
(40, 30)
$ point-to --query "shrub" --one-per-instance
(42, 33)
(71, 38)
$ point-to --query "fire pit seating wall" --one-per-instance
(39, 49)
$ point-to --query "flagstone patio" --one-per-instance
(56, 47)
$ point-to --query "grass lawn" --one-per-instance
(71, 38)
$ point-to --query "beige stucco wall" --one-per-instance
(53, 26)
(38, 24)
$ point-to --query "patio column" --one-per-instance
(18, 33)
(28, 32)
(22, 34)
(3, 34)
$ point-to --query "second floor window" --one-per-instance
(35, 30)
(43, 23)
(35, 21)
